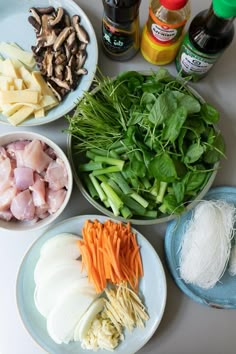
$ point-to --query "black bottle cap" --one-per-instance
(121, 10)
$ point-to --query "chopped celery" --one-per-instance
(126, 212)
(90, 166)
(105, 170)
(120, 180)
(111, 195)
(162, 190)
(139, 199)
(92, 191)
(110, 161)
(102, 178)
(98, 188)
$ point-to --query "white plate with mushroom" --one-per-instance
(65, 48)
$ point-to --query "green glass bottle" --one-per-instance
(209, 34)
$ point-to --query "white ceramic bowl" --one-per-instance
(29, 226)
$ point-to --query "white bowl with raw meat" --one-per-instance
(35, 181)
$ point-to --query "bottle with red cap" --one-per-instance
(162, 34)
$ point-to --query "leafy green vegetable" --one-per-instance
(163, 107)
(174, 124)
(162, 168)
(209, 113)
(149, 146)
(193, 153)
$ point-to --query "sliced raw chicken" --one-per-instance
(6, 215)
(38, 190)
(6, 174)
(3, 153)
(55, 199)
(49, 290)
(42, 211)
(35, 157)
(22, 206)
(15, 147)
(67, 312)
(19, 155)
(7, 197)
(50, 152)
(56, 175)
(24, 177)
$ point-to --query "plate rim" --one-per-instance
(71, 4)
(168, 241)
(92, 216)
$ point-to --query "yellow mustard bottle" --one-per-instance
(163, 32)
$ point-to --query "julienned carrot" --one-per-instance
(110, 253)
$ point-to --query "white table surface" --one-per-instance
(186, 327)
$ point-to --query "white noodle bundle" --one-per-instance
(206, 244)
(232, 261)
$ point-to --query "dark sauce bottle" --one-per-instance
(120, 28)
(209, 34)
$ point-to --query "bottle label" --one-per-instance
(163, 32)
(116, 40)
(192, 62)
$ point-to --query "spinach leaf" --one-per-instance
(164, 106)
(162, 168)
(137, 167)
(215, 151)
(170, 205)
(181, 143)
(147, 100)
(194, 152)
(174, 124)
(209, 113)
(191, 104)
(194, 180)
(179, 191)
(135, 118)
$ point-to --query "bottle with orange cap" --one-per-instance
(162, 34)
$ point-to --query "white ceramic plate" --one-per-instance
(152, 286)
(14, 27)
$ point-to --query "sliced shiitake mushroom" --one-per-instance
(60, 50)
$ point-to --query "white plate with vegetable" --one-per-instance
(35, 323)
(209, 278)
(67, 85)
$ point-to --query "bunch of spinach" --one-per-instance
(158, 142)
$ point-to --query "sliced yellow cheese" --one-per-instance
(6, 79)
(44, 87)
(9, 109)
(4, 86)
(19, 84)
(19, 96)
(14, 51)
(21, 115)
(39, 113)
(8, 68)
(28, 79)
(46, 101)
